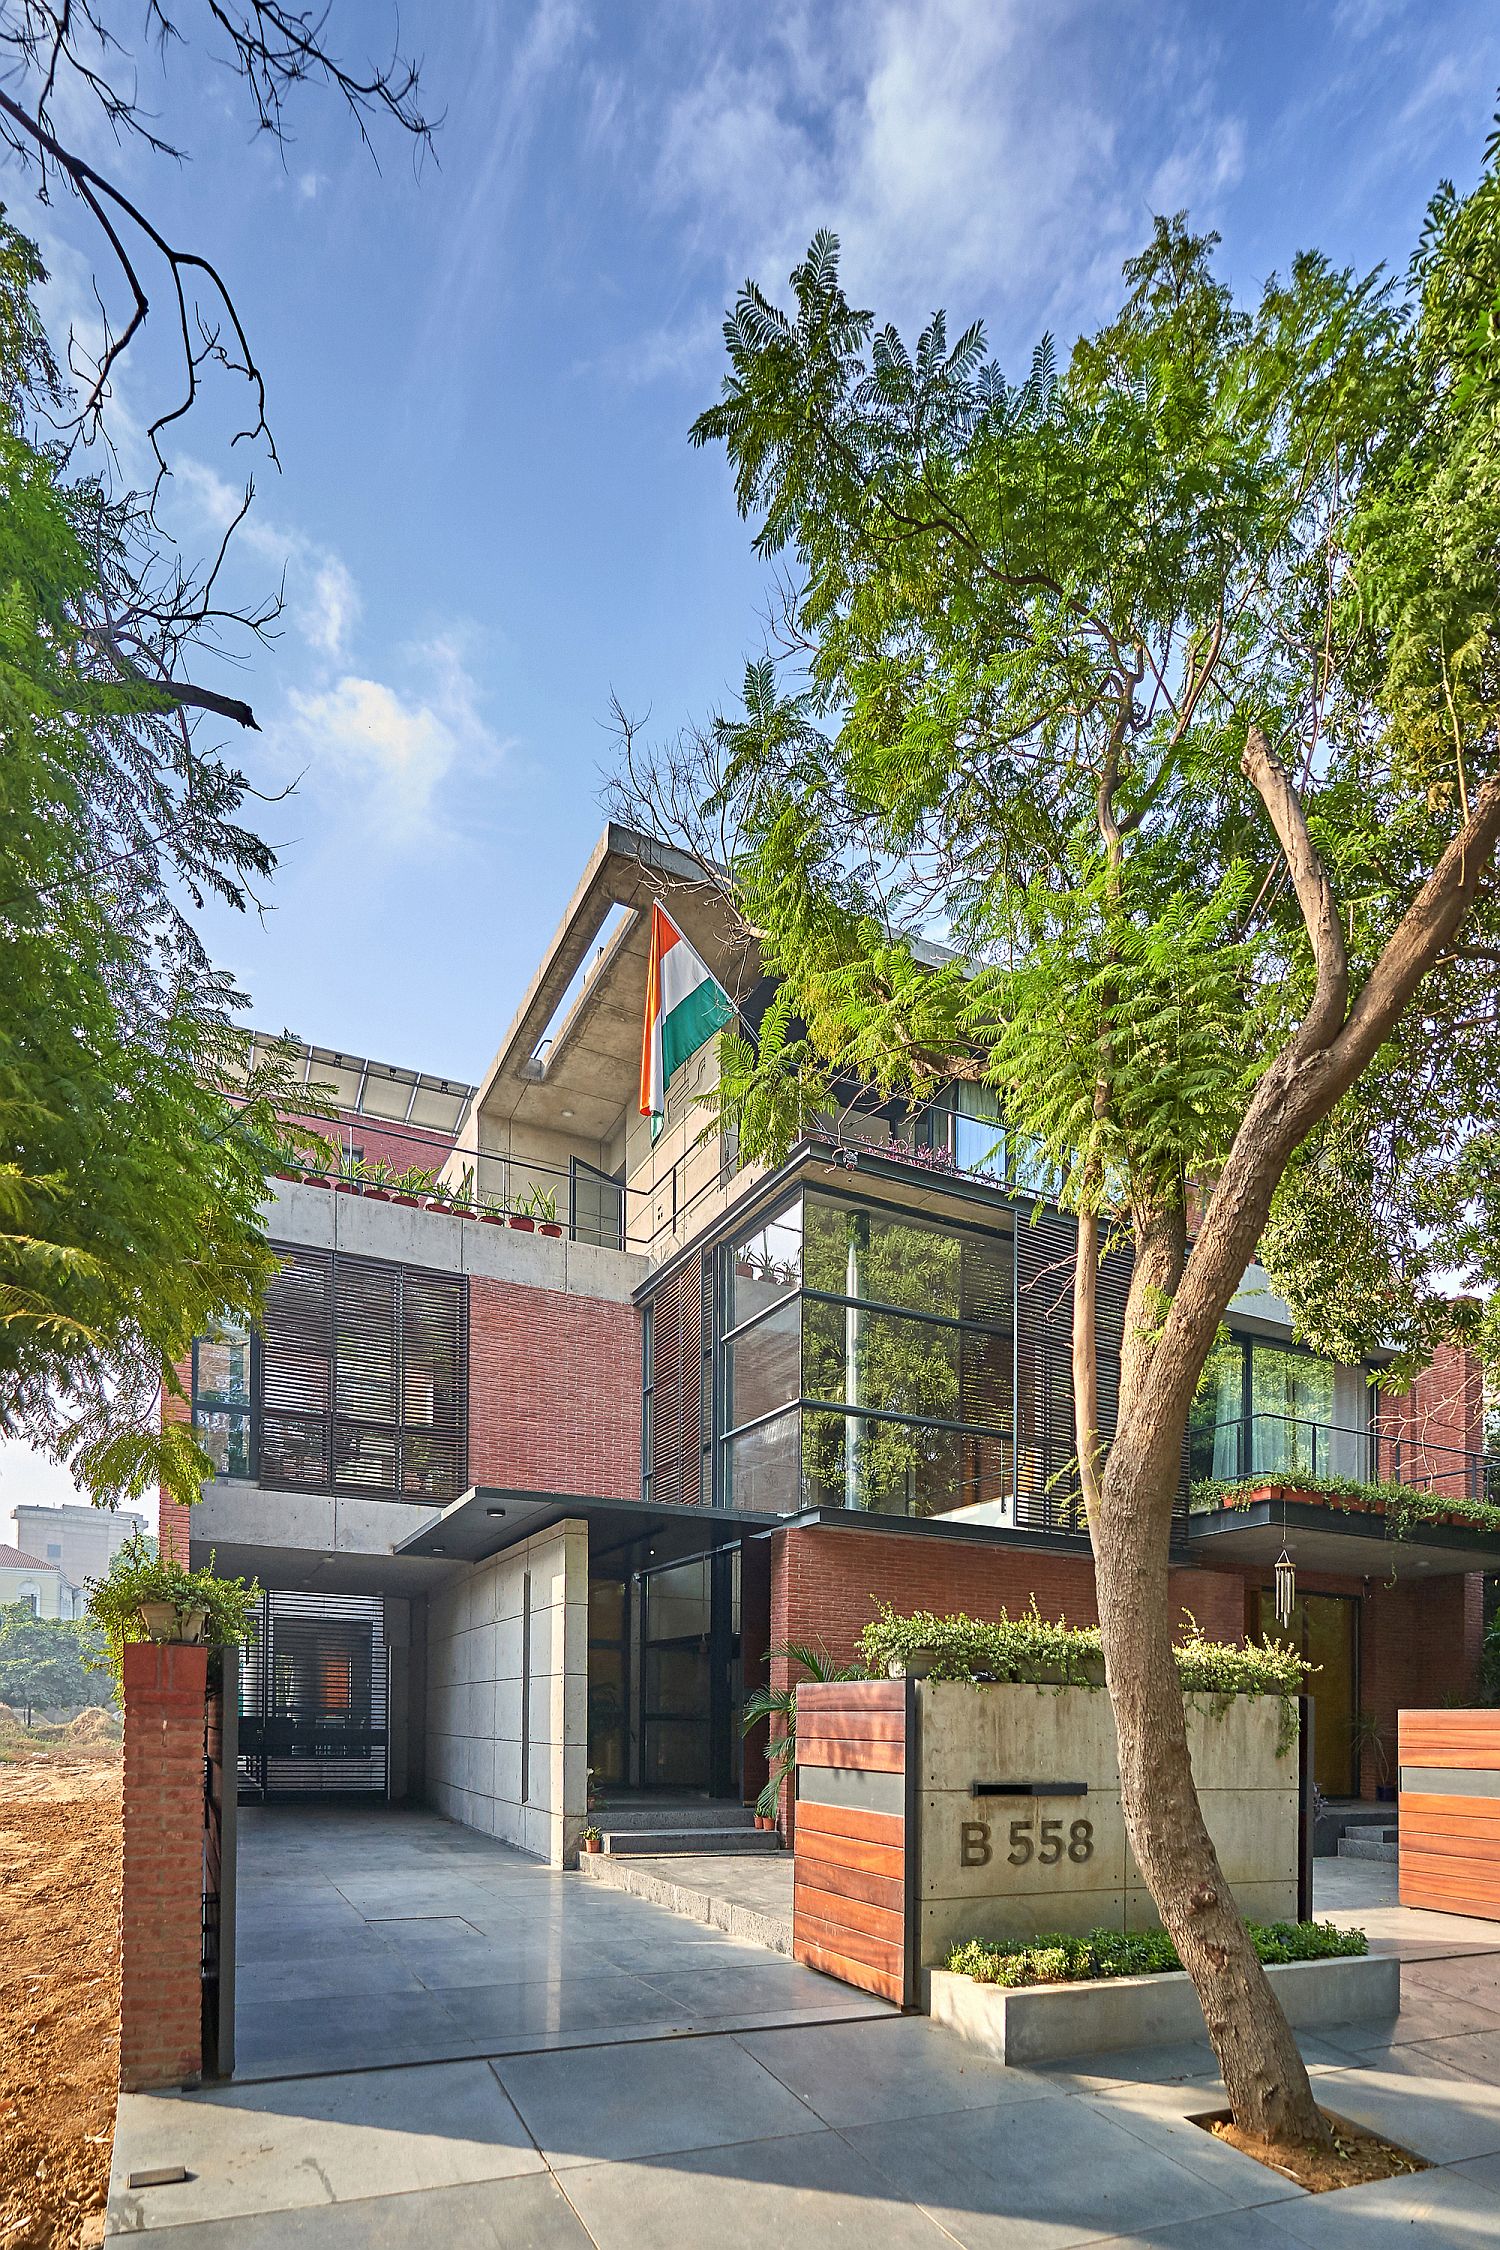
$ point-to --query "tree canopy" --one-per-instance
(1028, 627)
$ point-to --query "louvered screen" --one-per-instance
(364, 1378)
(1047, 1489)
(677, 1385)
(313, 1697)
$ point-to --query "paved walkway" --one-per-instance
(884, 2130)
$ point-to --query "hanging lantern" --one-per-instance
(1286, 1588)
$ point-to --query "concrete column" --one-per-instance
(161, 1897)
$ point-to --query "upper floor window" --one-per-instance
(223, 1400)
(1270, 1409)
(358, 1381)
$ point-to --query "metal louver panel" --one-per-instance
(364, 1377)
(314, 1689)
(677, 1386)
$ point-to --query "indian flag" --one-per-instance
(685, 1005)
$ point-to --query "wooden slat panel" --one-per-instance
(851, 1757)
(878, 1981)
(851, 1882)
(852, 1726)
(1450, 1738)
(848, 1851)
(849, 1820)
(849, 1913)
(852, 1695)
(856, 1945)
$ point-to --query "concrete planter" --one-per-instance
(1042, 2022)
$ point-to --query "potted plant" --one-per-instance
(407, 1186)
(522, 1221)
(781, 1703)
(146, 1596)
(1369, 1739)
(591, 1840)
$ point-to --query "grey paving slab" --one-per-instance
(1473, 1978)
(1226, 2230)
(521, 2214)
(649, 2100)
(323, 2140)
(1414, 2101)
(757, 1988)
(330, 1974)
(902, 2066)
(356, 2033)
(494, 2012)
(800, 2193)
(1035, 2175)
(1439, 2210)
(1163, 2117)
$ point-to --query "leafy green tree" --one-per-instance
(54, 1661)
(133, 1150)
(1165, 685)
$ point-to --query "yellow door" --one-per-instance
(1324, 1629)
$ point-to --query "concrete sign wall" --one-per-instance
(930, 1812)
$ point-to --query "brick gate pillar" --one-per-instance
(161, 1897)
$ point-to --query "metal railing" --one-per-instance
(1289, 1446)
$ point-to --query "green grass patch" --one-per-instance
(1056, 1959)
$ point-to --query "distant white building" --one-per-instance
(77, 1542)
(26, 1578)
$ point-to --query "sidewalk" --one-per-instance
(885, 2131)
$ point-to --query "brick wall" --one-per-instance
(827, 1584)
(401, 1146)
(172, 1516)
(1441, 1414)
(161, 1899)
(554, 1391)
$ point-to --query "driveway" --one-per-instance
(791, 2127)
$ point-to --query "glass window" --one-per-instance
(221, 1400)
(1215, 1435)
(761, 1467)
(762, 1366)
(1291, 1410)
(904, 1468)
(764, 1268)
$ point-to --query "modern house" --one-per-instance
(537, 1464)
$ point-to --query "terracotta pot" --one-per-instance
(346, 1187)
(522, 1225)
(592, 1843)
(548, 1226)
(492, 1218)
(763, 1822)
(409, 1201)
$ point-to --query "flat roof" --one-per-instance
(487, 1519)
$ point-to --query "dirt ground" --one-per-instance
(59, 1979)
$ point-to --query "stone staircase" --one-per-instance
(652, 1828)
(1370, 1839)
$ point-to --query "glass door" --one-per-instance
(1324, 1629)
(676, 1675)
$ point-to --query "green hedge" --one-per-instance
(1055, 1959)
(1032, 1648)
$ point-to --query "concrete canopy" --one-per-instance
(1320, 1537)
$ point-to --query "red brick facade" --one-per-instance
(1440, 1417)
(161, 1900)
(172, 1516)
(554, 1391)
(378, 1142)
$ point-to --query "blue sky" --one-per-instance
(481, 377)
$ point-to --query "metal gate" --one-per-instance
(220, 1795)
(314, 1698)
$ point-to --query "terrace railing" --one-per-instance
(1286, 1446)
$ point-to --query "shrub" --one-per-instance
(1056, 1959)
(138, 1574)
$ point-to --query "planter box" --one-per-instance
(1042, 2022)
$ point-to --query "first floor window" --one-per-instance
(222, 1400)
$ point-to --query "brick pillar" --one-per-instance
(161, 1901)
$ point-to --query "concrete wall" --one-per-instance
(506, 1747)
(971, 1886)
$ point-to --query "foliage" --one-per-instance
(1489, 1665)
(138, 1574)
(133, 1145)
(780, 1704)
(1402, 1505)
(53, 1661)
(1144, 1953)
(1035, 1648)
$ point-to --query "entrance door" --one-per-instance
(1324, 1629)
(690, 1685)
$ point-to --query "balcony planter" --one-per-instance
(521, 1223)
(408, 1201)
(549, 1226)
(492, 1218)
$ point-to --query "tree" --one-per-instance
(1165, 685)
(55, 1661)
(133, 1146)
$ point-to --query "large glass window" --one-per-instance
(1267, 1409)
(884, 1381)
(222, 1400)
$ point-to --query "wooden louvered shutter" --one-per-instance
(367, 1362)
(296, 1362)
(434, 1385)
(677, 1385)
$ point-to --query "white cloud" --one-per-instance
(398, 752)
(322, 598)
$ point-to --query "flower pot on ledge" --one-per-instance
(408, 1201)
(549, 1227)
(522, 1225)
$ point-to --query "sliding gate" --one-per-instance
(314, 1698)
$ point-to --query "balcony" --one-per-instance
(1333, 1493)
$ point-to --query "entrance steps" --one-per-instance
(1369, 1841)
(651, 1829)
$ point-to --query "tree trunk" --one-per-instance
(1130, 1523)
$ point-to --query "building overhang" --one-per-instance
(1320, 1536)
(488, 1519)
